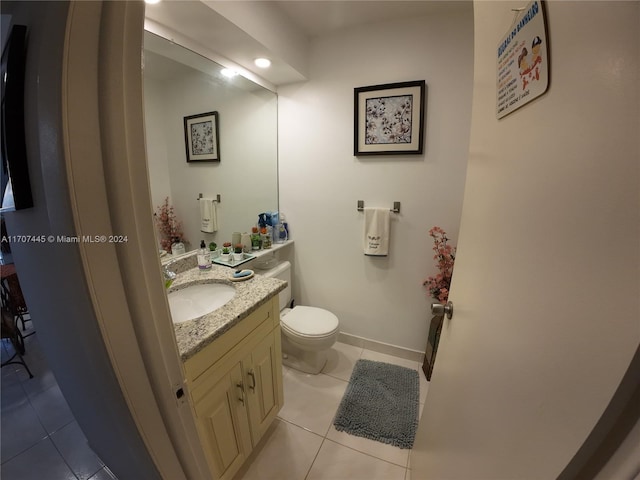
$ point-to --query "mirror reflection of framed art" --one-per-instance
(201, 137)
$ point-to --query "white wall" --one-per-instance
(320, 179)
(154, 118)
(246, 176)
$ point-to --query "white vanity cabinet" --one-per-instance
(235, 385)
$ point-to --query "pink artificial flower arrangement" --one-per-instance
(438, 286)
(168, 225)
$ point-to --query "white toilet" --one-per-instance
(307, 332)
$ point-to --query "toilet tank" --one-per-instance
(281, 271)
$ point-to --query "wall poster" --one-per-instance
(523, 60)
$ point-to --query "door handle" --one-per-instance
(440, 310)
(253, 379)
(241, 387)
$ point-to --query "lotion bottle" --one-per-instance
(204, 258)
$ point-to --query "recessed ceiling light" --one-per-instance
(262, 62)
(227, 72)
(152, 2)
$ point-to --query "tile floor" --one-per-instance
(39, 433)
(303, 443)
(40, 438)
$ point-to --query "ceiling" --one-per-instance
(167, 62)
(320, 17)
(226, 29)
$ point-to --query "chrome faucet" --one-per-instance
(169, 276)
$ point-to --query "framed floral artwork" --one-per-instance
(388, 119)
(201, 137)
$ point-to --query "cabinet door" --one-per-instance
(263, 368)
(219, 404)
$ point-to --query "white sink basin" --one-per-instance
(198, 300)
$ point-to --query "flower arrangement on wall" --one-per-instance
(168, 225)
(438, 286)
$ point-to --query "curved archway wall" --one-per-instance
(320, 180)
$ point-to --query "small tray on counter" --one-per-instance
(233, 263)
(251, 274)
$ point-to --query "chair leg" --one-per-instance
(17, 340)
(20, 360)
(11, 331)
(20, 318)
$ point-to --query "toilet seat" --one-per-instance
(309, 322)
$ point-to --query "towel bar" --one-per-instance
(395, 209)
(216, 200)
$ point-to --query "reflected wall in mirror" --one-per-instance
(179, 83)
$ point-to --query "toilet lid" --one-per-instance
(310, 321)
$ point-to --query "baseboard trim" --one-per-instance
(381, 347)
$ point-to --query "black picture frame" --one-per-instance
(389, 119)
(202, 137)
(15, 185)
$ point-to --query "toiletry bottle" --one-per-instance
(262, 222)
(177, 247)
(204, 258)
(284, 223)
(280, 234)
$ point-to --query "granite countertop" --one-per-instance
(193, 335)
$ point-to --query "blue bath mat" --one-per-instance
(380, 403)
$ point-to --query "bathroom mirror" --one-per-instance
(179, 83)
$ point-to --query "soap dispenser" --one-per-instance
(177, 247)
(204, 258)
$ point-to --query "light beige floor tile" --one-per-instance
(39, 462)
(380, 450)
(311, 401)
(52, 409)
(287, 453)
(337, 462)
(74, 448)
(21, 429)
(340, 360)
(382, 357)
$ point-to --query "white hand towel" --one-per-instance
(376, 231)
(208, 215)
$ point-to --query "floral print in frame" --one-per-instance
(388, 119)
(202, 138)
